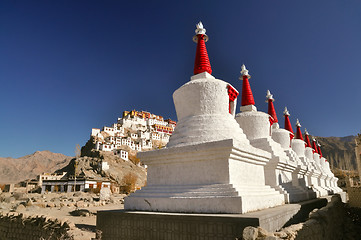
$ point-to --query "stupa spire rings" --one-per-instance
(244, 72)
(247, 95)
(307, 139)
(200, 30)
(298, 130)
(271, 109)
(201, 63)
(314, 145)
(288, 125)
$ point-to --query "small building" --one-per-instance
(122, 154)
(71, 184)
(50, 176)
(104, 166)
(95, 132)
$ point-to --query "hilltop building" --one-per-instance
(136, 130)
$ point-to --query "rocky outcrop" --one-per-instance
(339, 151)
(330, 222)
(118, 169)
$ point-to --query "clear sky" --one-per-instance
(69, 66)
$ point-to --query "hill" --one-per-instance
(13, 170)
(339, 151)
(119, 169)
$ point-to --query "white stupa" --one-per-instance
(279, 171)
(208, 166)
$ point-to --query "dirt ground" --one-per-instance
(83, 216)
(86, 225)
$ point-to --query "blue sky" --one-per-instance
(69, 66)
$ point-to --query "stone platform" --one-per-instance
(121, 224)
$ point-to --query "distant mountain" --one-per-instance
(13, 170)
(339, 151)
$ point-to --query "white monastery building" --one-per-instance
(218, 161)
(136, 130)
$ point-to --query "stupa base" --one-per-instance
(224, 176)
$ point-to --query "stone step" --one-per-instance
(216, 190)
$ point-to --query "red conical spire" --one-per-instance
(201, 63)
(298, 131)
(319, 148)
(308, 143)
(314, 145)
(247, 96)
(271, 109)
(288, 125)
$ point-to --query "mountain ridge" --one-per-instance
(339, 151)
(13, 170)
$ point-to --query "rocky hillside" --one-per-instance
(13, 170)
(119, 170)
(339, 151)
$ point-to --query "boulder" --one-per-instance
(28, 202)
(105, 194)
(20, 208)
(79, 204)
(250, 233)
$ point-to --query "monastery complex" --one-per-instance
(136, 130)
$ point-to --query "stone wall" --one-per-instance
(328, 222)
(20, 226)
(354, 195)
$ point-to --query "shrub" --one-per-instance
(134, 159)
(129, 182)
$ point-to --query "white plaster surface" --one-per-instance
(215, 177)
(214, 163)
(299, 147)
(254, 124)
(280, 170)
(202, 107)
(208, 164)
(282, 136)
